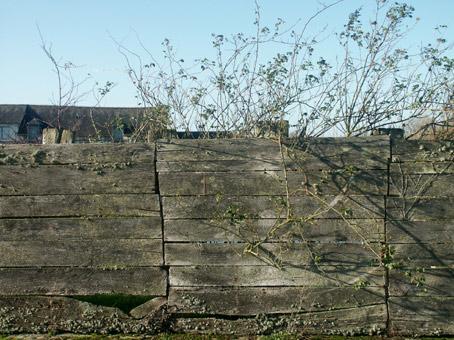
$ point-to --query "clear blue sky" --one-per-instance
(80, 31)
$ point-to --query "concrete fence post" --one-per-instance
(50, 136)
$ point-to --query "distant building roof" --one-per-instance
(12, 114)
(85, 121)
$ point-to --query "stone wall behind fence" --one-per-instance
(334, 235)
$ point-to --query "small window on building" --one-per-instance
(8, 133)
(34, 131)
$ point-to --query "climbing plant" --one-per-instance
(376, 79)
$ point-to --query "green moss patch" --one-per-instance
(121, 301)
